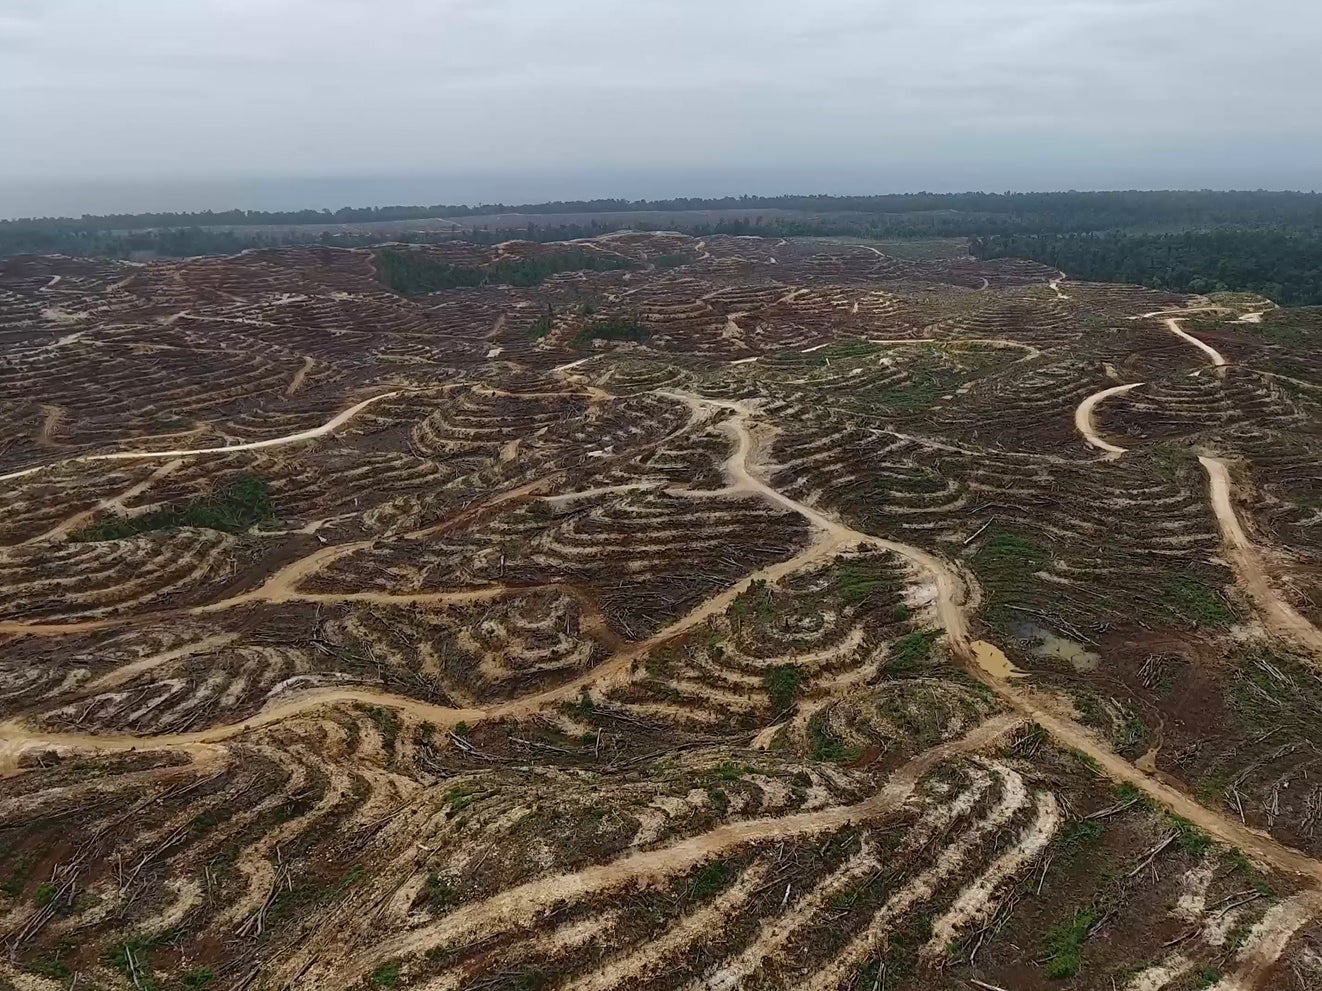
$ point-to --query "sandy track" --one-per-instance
(1218, 362)
(1280, 617)
(300, 375)
(330, 426)
(1083, 419)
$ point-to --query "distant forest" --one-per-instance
(1284, 265)
(999, 212)
(1267, 242)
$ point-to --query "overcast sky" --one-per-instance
(546, 95)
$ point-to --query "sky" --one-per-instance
(186, 104)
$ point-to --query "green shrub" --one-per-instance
(1065, 942)
(782, 683)
(612, 329)
(385, 976)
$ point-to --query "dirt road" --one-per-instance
(1218, 362)
(330, 426)
(1083, 419)
(1280, 617)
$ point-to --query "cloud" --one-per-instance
(323, 87)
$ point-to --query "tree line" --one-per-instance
(1046, 212)
(1282, 264)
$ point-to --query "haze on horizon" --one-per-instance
(156, 104)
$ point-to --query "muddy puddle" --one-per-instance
(993, 660)
(1041, 642)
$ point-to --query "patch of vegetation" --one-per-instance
(1064, 944)
(461, 796)
(439, 894)
(46, 892)
(52, 966)
(198, 978)
(1189, 837)
(1279, 263)
(17, 879)
(824, 746)
(1009, 560)
(1204, 605)
(730, 771)
(782, 684)
(413, 273)
(1082, 833)
(388, 725)
(543, 325)
(205, 822)
(385, 976)
(911, 650)
(1206, 977)
(857, 581)
(720, 801)
(1242, 866)
(130, 959)
(755, 601)
(709, 879)
(234, 509)
(617, 328)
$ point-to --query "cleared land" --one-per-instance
(714, 614)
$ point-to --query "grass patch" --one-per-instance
(730, 771)
(911, 650)
(543, 325)
(205, 822)
(198, 977)
(1064, 944)
(1082, 833)
(783, 683)
(824, 746)
(234, 509)
(1196, 601)
(709, 879)
(1241, 865)
(385, 976)
(856, 582)
(1009, 560)
(1189, 837)
(130, 959)
(460, 797)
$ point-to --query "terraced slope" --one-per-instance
(724, 614)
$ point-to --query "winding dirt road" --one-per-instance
(330, 426)
(1219, 363)
(1083, 419)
